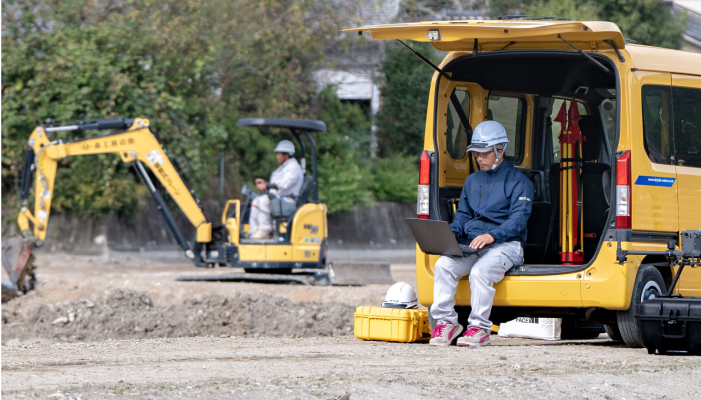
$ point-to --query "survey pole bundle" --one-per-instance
(571, 231)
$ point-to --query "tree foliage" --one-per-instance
(192, 67)
(405, 88)
(648, 22)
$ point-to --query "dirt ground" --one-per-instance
(124, 328)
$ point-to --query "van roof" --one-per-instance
(664, 60)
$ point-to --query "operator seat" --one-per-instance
(307, 187)
(283, 209)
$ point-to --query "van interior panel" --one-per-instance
(541, 73)
(549, 75)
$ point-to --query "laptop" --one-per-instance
(435, 237)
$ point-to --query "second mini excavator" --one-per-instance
(300, 236)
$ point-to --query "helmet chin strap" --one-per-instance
(496, 162)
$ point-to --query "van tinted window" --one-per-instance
(657, 132)
(457, 137)
(687, 126)
(510, 112)
(608, 111)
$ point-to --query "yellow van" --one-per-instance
(639, 165)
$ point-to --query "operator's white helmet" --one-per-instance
(488, 136)
(401, 295)
(285, 146)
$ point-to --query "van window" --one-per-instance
(687, 126)
(510, 112)
(557, 127)
(608, 111)
(457, 137)
(657, 133)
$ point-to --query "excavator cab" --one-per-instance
(299, 227)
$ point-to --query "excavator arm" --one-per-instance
(135, 144)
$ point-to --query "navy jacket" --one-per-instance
(497, 202)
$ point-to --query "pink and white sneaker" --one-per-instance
(475, 337)
(444, 333)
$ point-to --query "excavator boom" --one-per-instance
(136, 143)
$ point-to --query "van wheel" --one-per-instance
(613, 332)
(648, 285)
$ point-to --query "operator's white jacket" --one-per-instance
(288, 178)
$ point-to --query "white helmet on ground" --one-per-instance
(488, 136)
(285, 146)
(400, 295)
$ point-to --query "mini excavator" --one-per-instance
(300, 232)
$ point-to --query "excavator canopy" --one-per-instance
(498, 34)
(303, 124)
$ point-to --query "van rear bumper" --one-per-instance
(604, 283)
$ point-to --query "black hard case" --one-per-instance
(671, 324)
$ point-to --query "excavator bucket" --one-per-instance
(18, 261)
(344, 273)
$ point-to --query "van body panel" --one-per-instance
(608, 284)
(654, 208)
(689, 182)
(494, 35)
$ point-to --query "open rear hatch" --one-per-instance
(496, 35)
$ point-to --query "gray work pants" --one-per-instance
(485, 267)
(260, 215)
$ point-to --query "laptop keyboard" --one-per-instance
(466, 248)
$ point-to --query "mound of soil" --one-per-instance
(130, 315)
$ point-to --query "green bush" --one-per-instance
(395, 178)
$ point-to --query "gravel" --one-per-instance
(331, 367)
(126, 314)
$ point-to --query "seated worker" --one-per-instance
(285, 181)
(494, 207)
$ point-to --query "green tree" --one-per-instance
(395, 178)
(401, 121)
(343, 184)
(192, 67)
(648, 22)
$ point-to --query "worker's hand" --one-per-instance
(481, 241)
(260, 184)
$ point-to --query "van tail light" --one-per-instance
(424, 184)
(623, 192)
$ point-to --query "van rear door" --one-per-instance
(495, 35)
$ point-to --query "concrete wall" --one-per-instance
(381, 226)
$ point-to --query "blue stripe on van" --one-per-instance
(655, 181)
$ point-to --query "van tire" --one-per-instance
(648, 284)
(613, 332)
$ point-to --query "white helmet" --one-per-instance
(486, 137)
(285, 146)
(400, 295)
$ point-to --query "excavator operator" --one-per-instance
(285, 182)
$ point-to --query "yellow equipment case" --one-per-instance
(392, 324)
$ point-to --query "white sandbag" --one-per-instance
(532, 328)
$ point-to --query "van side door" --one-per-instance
(686, 97)
(650, 137)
